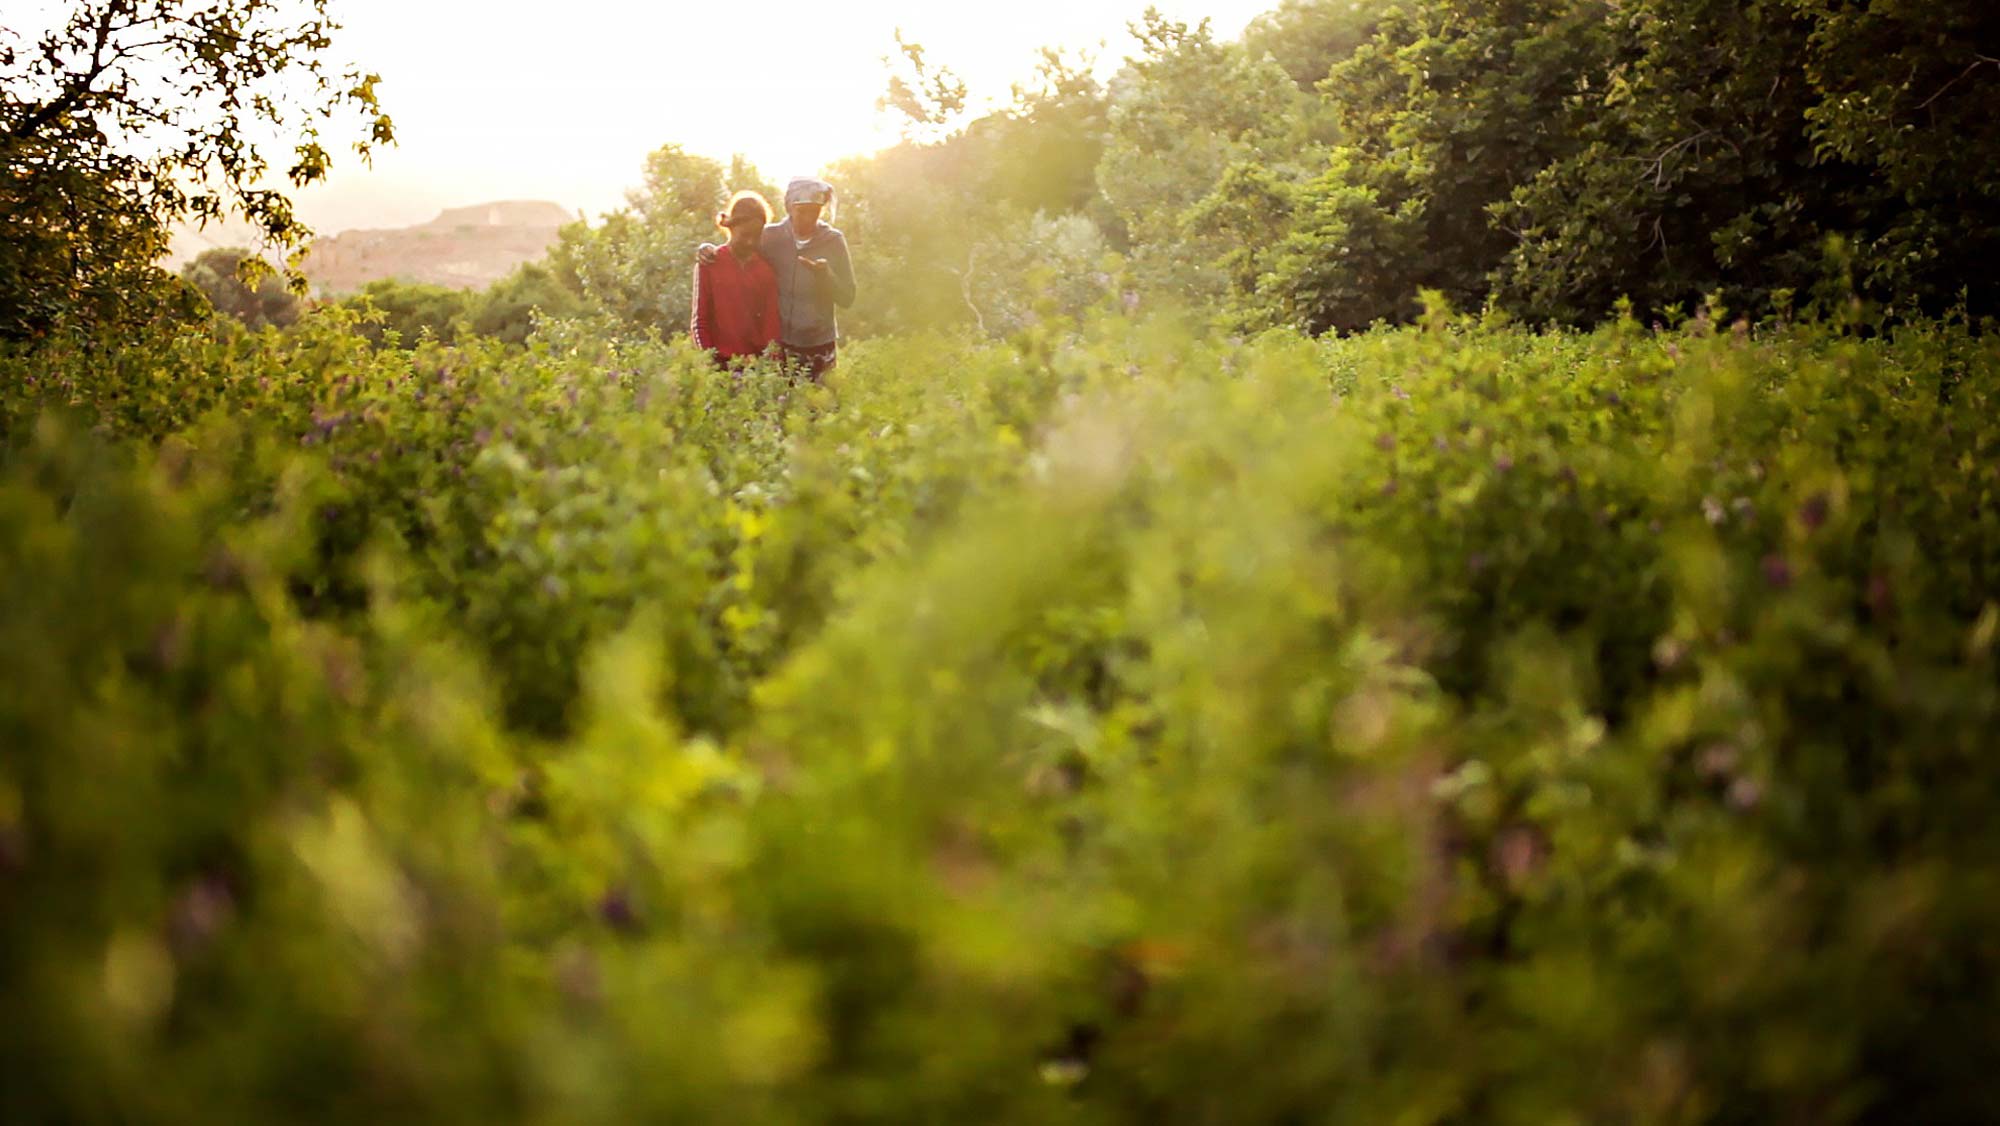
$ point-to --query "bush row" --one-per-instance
(1449, 724)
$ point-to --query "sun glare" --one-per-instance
(562, 102)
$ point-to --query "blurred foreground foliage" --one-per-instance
(1449, 724)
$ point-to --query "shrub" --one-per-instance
(1448, 724)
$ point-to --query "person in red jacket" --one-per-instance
(736, 296)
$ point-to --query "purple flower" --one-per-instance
(1717, 760)
(1881, 599)
(1814, 512)
(1777, 572)
(1519, 854)
(617, 912)
(201, 912)
(1745, 794)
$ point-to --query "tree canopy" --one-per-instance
(1549, 159)
(1552, 158)
(132, 115)
(235, 286)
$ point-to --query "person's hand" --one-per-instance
(816, 265)
(705, 253)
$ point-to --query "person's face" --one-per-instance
(805, 216)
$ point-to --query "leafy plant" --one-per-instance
(1447, 724)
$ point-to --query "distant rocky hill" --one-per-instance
(464, 247)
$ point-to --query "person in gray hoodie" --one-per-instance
(815, 276)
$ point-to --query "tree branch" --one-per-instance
(1980, 61)
(75, 92)
(1658, 165)
(965, 286)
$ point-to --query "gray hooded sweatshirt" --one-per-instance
(806, 299)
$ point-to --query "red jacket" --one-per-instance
(735, 307)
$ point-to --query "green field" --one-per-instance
(1453, 723)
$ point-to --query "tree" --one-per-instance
(947, 221)
(238, 284)
(412, 311)
(1441, 115)
(133, 115)
(1906, 92)
(744, 176)
(508, 309)
(1043, 149)
(1252, 210)
(1182, 111)
(637, 266)
(929, 99)
(1307, 37)
(1688, 178)
(1036, 267)
(1554, 157)
(1733, 142)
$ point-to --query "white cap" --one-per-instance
(805, 189)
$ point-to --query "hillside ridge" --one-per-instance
(468, 247)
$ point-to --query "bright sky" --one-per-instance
(516, 100)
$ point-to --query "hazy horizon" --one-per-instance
(513, 103)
